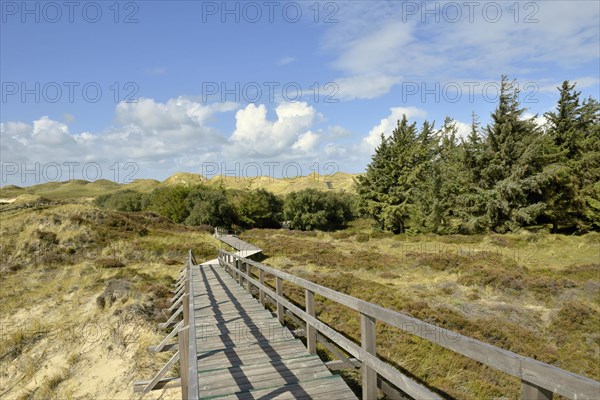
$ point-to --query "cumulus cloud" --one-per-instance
(462, 129)
(257, 136)
(148, 114)
(386, 125)
(307, 142)
(147, 132)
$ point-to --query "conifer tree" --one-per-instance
(514, 177)
(385, 189)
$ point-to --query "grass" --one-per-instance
(82, 290)
(84, 302)
(534, 294)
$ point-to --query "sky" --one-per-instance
(123, 90)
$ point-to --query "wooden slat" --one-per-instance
(241, 347)
(403, 382)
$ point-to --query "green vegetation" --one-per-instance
(311, 209)
(536, 294)
(207, 206)
(511, 174)
(260, 209)
(445, 244)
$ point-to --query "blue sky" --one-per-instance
(172, 86)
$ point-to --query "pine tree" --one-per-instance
(514, 177)
(574, 128)
(441, 183)
(386, 188)
(588, 166)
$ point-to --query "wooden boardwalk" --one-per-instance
(230, 347)
(245, 353)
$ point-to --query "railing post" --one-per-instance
(261, 293)
(279, 291)
(183, 341)
(529, 391)
(311, 332)
(367, 340)
(242, 266)
(248, 270)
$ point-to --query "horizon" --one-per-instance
(146, 89)
(319, 177)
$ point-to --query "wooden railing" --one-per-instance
(221, 231)
(182, 304)
(538, 380)
(187, 344)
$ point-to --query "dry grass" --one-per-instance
(534, 294)
(82, 289)
(58, 339)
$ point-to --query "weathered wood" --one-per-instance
(347, 362)
(191, 362)
(529, 391)
(543, 375)
(160, 374)
(336, 365)
(164, 383)
(390, 373)
(171, 320)
(244, 350)
(279, 289)
(176, 304)
(311, 332)
(183, 341)
(261, 293)
(367, 340)
(248, 271)
(390, 391)
(177, 295)
(165, 341)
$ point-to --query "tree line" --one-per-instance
(307, 209)
(510, 174)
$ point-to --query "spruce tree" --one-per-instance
(386, 188)
(514, 177)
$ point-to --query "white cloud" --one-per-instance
(286, 60)
(365, 86)
(583, 82)
(539, 119)
(382, 39)
(255, 135)
(386, 125)
(307, 142)
(149, 132)
(148, 114)
(462, 129)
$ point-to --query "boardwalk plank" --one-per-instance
(243, 350)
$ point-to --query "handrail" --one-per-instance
(192, 354)
(539, 380)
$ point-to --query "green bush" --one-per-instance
(312, 209)
(170, 202)
(260, 209)
(126, 200)
(208, 206)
